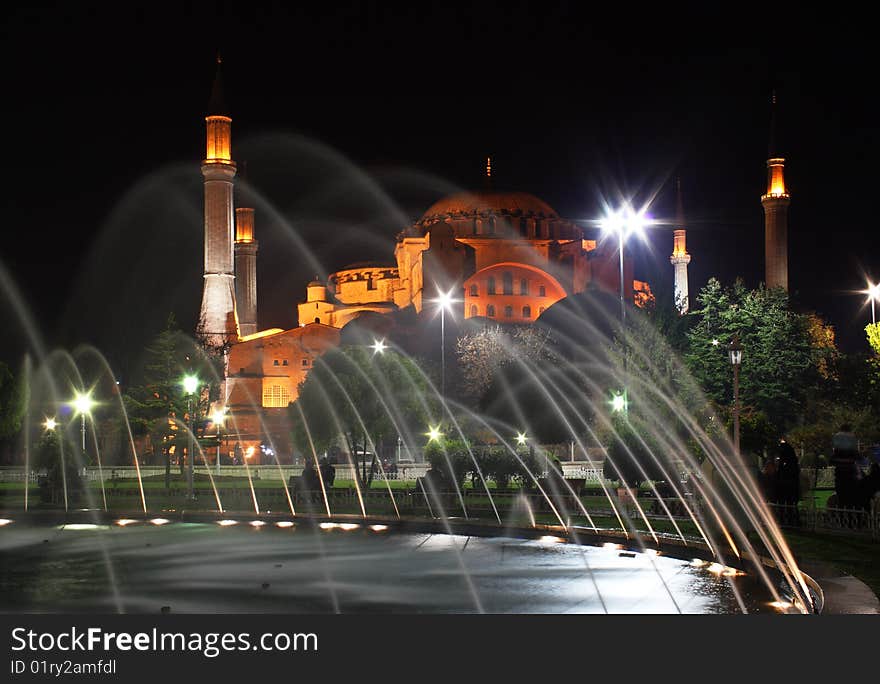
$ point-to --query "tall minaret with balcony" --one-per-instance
(245, 270)
(217, 325)
(775, 202)
(680, 257)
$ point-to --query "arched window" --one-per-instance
(275, 362)
(491, 288)
(508, 282)
(474, 291)
(523, 286)
(275, 396)
(527, 312)
(542, 291)
(317, 319)
(508, 312)
(474, 310)
(490, 311)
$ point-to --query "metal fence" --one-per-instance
(842, 520)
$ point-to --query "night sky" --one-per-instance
(354, 118)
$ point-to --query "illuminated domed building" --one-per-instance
(504, 256)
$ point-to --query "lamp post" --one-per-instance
(873, 293)
(623, 223)
(217, 418)
(83, 404)
(190, 387)
(445, 301)
(735, 354)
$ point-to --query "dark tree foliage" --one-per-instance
(158, 401)
(357, 398)
(781, 360)
(13, 401)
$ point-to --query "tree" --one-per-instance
(873, 332)
(784, 353)
(154, 405)
(359, 397)
(484, 353)
(13, 403)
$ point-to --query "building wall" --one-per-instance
(477, 293)
(264, 375)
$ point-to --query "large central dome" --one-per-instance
(470, 203)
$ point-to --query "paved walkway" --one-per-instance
(844, 594)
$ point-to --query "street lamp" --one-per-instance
(521, 438)
(735, 354)
(379, 346)
(217, 418)
(50, 424)
(445, 301)
(83, 404)
(433, 434)
(623, 223)
(190, 387)
(618, 403)
(873, 293)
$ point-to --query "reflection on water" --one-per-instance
(195, 568)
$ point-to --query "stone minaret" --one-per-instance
(217, 325)
(245, 271)
(775, 202)
(680, 257)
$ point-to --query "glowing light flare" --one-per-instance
(521, 438)
(379, 346)
(328, 525)
(80, 526)
(218, 416)
(348, 527)
(249, 452)
(4, 522)
(445, 300)
(698, 563)
(550, 539)
(50, 424)
(227, 523)
(257, 523)
(284, 524)
(625, 222)
(378, 528)
(190, 384)
(83, 403)
(618, 403)
(872, 291)
(433, 434)
(160, 521)
(123, 522)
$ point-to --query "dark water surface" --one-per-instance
(205, 568)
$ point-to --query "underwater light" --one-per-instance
(378, 528)
(227, 523)
(348, 527)
(122, 522)
(4, 521)
(160, 521)
(284, 523)
(257, 523)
